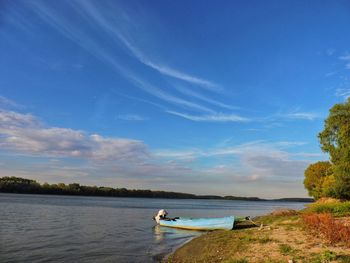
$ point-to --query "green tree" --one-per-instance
(335, 140)
(328, 185)
(315, 177)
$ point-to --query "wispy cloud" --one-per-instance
(216, 117)
(112, 28)
(131, 117)
(346, 58)
(295, 114)
(189, 92)
(330, 51)
(81, 37)
(155, 91)
(7, 103)
(341, 92)
(259, 146)
(302, 116)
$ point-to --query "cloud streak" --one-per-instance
(347, 59)
(341, 92)
(112, 28)
(216, 117)
(7, 103)
(310, 116)
(189, 92)
(130, 117)
(82, 37)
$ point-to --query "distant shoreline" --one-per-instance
(302, 200)
(18, 185)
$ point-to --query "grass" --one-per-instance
(343, 258)
(285, 249)
(330, 256)
(334, 208)
(265, 240)
(282, 238)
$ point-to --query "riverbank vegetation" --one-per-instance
(332, 178)
(28, 186)
(331, 206)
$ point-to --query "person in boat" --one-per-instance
(162, 215)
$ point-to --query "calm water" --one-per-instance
(42, 228)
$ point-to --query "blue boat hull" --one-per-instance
(225, 223)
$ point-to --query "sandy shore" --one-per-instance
(282, 238)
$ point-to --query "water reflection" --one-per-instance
(162, 232)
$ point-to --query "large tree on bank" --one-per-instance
(335, 140)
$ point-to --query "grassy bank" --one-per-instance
(283, 237)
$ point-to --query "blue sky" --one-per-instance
(223, 97)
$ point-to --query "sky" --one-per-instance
(205, 97)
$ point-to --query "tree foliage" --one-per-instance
(335, 140)
(317, 180)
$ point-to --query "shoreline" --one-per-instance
(248, 199)
(282, 238)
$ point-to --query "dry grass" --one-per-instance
(332, 229)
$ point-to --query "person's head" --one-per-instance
(161, 214)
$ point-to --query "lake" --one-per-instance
(43, 228)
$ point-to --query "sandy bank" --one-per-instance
(282, 239)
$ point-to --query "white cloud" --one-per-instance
(25, 134)
(103, 159)
(11, 120)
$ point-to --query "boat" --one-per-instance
(225, 223)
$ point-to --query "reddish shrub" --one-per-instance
(333, 230)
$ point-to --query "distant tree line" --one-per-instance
(28, 186)
(332, 178)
